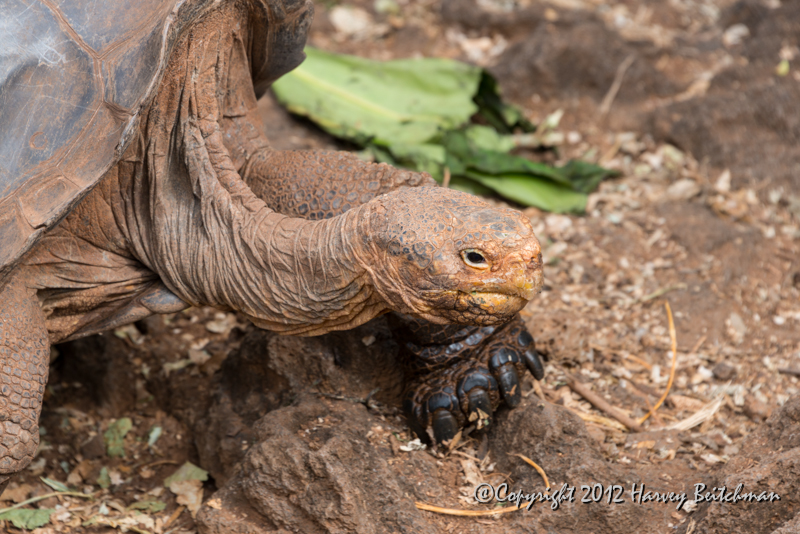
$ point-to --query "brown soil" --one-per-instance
(284, 425)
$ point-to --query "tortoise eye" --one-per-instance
(475, 258)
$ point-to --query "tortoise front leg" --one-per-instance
(458, 375)
(24, 364)
(317, 185)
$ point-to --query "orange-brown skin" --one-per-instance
(200, 211)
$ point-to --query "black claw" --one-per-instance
(442, 401)
(480, 408)
(508, 380)
(525, 339)
(476, 379)
(534, 363)
(445, 426)
(502, 357)
(415, 417)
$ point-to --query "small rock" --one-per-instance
(703, 374)
(756, 410)
(387, 6)
(711, 458)
(413, 445)
(350, 21)
(597, 433)
(683, 189)
(723, 183)
(724, 371)
(735, 34)
(557, 224)
(198, 356)
(673, 157)
(735, 328)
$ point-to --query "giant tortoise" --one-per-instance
(135, 178)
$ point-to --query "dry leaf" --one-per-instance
(18, 494)
(189, 492)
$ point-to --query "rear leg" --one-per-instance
(24, 364)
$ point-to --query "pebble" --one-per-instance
(724, 371)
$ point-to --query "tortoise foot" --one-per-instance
(459, 382)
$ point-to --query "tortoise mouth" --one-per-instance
(476, 307)
(492, 302)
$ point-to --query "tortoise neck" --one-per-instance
(311, 275)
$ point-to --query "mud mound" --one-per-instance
(769, 462)
(579, 58)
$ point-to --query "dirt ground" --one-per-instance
(696, 103)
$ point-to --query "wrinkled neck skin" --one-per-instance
(190, 217)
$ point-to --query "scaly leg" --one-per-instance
(457, 375)
(24, 364)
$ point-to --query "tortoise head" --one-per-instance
(451, 257)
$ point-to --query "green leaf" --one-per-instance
(27, 519)
(407, 101)
(585, 176)
(502, 116)
(55, 484)
(155, 433)
(149, 505)
(427, 157)
(486, 138)
(115, 437)
(187, 471)
(463, 154)
(104, 480)
(462, 183)
(415, 114)
(532, 191)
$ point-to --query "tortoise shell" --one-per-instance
(76, 76)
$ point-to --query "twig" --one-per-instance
(446, 178)
(366, 401)
(535, 466)
(650, 409)
(105, 521)
(698, 345)
(639, 361)
(467, 513)
(465, 455)
(663, 291)
(600, 420)
(173, 517)
(157, 462)
(47, 496)
(699, 417)
(601, 404)
(605, 106)
(674, 339)
(787, 371)
(484, 513)
(537, 387)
